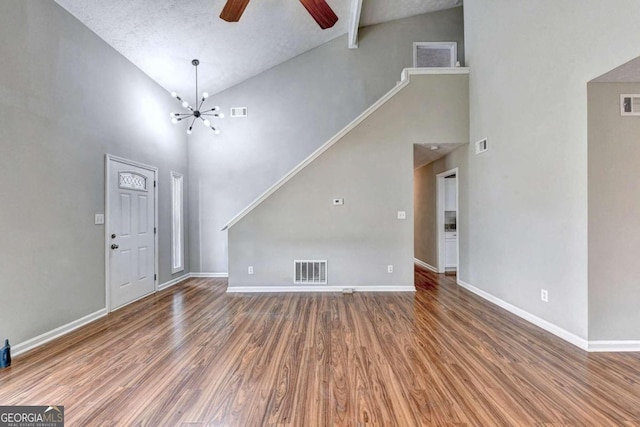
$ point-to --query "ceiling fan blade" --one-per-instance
(233, 10)
(321, 12)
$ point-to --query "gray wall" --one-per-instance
(526, 214)
(614, 215)
(372, 169)
(67, 99)
(293, 109)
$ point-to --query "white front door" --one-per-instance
(130, 232)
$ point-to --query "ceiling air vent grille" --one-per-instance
(307, 272)
(429, 55)
(239, 112)
(630, 105)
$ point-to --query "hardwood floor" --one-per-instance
(194, 355)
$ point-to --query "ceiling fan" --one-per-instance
(318, 9)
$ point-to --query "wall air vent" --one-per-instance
(481, 146)
(310, 272)
(440, 54)
(630, 105)
(239, 112)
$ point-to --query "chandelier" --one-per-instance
(196, 112)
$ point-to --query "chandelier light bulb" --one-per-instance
(207, 123)
(174, 121)
(221, 115)
(205, 95)
(185, 104)
(174, 94)
(216, 131)
(189, 131)
(172, 115)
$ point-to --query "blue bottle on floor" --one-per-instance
(5, 355)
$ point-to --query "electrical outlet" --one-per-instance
(338, 202)
(250, 269)
(389, 268)
(544, 295)
(402, 215)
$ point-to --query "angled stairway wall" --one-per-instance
(294, 108)
(370, 165)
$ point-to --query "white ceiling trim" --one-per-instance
(354, 23)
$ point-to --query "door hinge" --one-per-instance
(155, 230)
(155, 277)
(154, 184)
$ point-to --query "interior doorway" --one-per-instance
(448, 237)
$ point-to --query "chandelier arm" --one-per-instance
(201, 103)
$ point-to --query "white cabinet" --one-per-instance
(451, 250)
(450, 199)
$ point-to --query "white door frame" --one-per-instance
(107, 235)
(440, 218)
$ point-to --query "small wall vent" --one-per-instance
(440, 54)
(630, 105)
(307, 272)
(239, 112)
(481, 146)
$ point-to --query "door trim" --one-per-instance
(107, 159)
(440, 218)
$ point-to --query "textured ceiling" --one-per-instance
(161, 37)
(423, 154)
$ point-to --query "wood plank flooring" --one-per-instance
(193, 355)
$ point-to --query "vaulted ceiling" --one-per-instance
(161, 37)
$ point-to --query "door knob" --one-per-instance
(114, 246)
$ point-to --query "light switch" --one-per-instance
(338, 202)
(99, 219)
(402, 215)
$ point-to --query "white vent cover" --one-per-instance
(630, 105)
(440, 54)
(310, 272)
(481, 146)
(239, 112)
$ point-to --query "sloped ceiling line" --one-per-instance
(161, 37)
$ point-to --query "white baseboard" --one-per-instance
(173, 282)
(72, 326)
(614, 346)
(302, 288)
(57, 332)
(425, 265)
(199, 275)
(547, 326)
